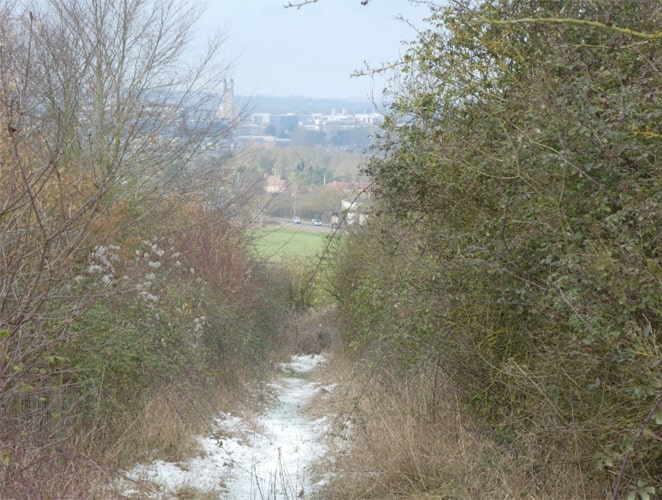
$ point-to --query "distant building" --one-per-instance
(369, 118)
(226, 110)
(340, 130)
(275, 184)
(260, 119)
(284, 125)
(355, 211)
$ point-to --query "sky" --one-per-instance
(310, 51)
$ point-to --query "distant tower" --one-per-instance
(225, 110)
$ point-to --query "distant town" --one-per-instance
(301, 155)
(299, 121)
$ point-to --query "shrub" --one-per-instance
(518, 241)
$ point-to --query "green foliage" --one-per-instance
(164, 325)
(304, 164)
(520, 189)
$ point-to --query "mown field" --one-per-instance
(276, 243)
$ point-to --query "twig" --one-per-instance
(298, 5)
(641, 430)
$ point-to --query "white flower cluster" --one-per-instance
(199, 324)
(198, 329)
(158, 251)
(152, 257)
(101, 263)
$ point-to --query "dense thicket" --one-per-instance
(515, 240)
(128, 298)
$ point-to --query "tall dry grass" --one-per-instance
(311, 331)
(167, 424)
(410, 437)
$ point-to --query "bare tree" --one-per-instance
(104, 107)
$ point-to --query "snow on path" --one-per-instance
(270, 460)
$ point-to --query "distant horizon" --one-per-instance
(301, 96)
(304, 104)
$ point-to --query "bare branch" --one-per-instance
(300, 4)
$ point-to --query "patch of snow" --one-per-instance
(302, 364)
(269, 460)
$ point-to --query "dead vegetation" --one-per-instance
(412, 438)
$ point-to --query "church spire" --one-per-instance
(226, 110)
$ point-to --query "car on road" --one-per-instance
(297, 220)
(317, 222)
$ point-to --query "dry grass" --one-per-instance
(33, 471)
(411, 438)
(168, 425)
(310, 332)
(167, 428)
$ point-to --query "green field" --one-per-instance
(278, 243)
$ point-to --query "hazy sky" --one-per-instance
(313, 50)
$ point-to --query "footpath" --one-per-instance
(269, 457)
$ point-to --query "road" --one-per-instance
(305, 225)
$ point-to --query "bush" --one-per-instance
(518, 241)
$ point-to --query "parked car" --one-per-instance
(317, 222)
(297, 220)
